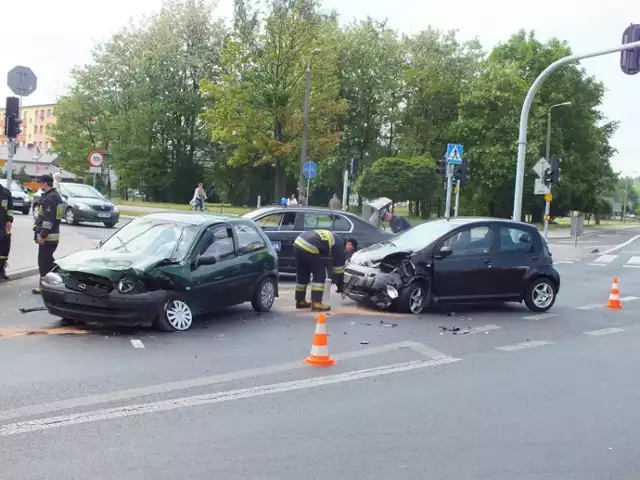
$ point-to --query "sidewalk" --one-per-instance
(23, 259)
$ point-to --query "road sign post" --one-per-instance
(22, 81)
(454, 157)
(309, 170)
(524, 116)
(96, 159)
(455, 207)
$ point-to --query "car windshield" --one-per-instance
(252, 215)
(155, 238)
(422, 235)
(14, 186)
(83, 191)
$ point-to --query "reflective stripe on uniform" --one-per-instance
(52, 237)
(3, 258)
(10, 215)
(317, 287)
(47, 225)
(338, 269)
(327, 236)
(301, 287)
(303, 244)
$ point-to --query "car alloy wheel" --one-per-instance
(542, 295)
(417, 300)
(265, 295)
(178, 315)
(70, 217)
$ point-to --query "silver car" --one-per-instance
(21, 201)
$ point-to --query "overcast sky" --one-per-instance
(59, 34)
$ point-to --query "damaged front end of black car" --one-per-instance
(388, 280)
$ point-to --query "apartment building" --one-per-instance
(36, 121)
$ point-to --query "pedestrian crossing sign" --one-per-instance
(454, 153)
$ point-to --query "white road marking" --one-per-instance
(622, 245)
(605, 258)
(523, 346)
(591, 306)
(604, 331)
(563, 261)
(581, 241)
(629, 299)
(631, 266)
(212, 398)
(540, 316)
(123, 395)
(484, 329)
(598, 264)
(137, 343)
(609, 235)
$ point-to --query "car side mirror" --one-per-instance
(443, 252)
(205, 260)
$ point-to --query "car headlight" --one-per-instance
(52, 279)
(126, 285)
(83, 206)
(115, 209)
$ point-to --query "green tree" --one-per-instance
(257, 101)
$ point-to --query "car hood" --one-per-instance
(106, 263)
(90, 201)
(17, 194)
(375, 253)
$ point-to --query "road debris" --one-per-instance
(363, 342)
(385, 324)
(32, 309)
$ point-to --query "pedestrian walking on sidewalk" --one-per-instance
(47, 227)
(6, 222)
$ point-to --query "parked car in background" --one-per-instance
(456, 260)
(283, 225)
(83, 204)
(164, 269)
(21, 201)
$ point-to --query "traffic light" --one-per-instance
(12, 118)
(461, 173)
(441, 167)
(630, 59)
(555, 170)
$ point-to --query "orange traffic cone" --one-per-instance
(320, 349)
(614, 297)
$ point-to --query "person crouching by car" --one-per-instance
(47, 227)
(398, 223)
(311, 249)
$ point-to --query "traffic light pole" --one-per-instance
(12, 148)
(524, 116)
(447, 205)
(455, 208)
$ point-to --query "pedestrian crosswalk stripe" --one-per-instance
(606, 258)
(633, 261)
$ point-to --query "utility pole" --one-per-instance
(526, 108)
(547, 203)
(455, 208)
(447, 205)
(305, 128)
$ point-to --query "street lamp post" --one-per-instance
(305, 128)
(547, 203)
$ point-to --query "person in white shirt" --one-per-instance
(199, 196)
(292, 200)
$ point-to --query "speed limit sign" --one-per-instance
(96, 159)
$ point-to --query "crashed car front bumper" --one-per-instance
(363, 284)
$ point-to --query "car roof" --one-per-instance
(471, 220)
(298, 208)
(192, 218)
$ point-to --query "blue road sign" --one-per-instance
(454, 153)
(309, 169)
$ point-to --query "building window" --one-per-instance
(39, 144)
(41, 129)
(35, 129)
(46, 144)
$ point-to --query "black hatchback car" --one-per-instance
(282, 225)
(456, 260)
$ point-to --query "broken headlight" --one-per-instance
(127, 285)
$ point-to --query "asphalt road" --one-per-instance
(519, 396)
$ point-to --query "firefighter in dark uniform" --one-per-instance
(6, 222)
(47, 226)
(312, 249)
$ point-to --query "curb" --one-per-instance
(22, 273)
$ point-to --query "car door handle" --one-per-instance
(535, 259)
(487, 261)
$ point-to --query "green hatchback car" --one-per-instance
(163, 269)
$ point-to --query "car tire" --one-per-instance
(264, 295)
(109, 224)
(175, 315)
(540, 295)
(26, 212)
(70, 217)
(414, 298)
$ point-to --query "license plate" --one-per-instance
(104, 215)
(84, 300)
(18, 204)
(277, 246)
